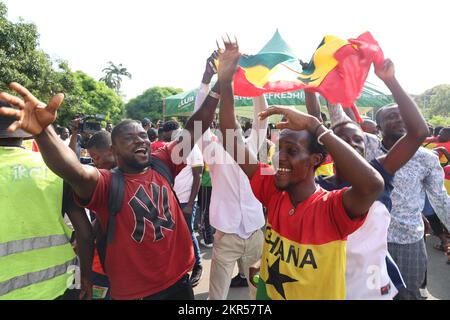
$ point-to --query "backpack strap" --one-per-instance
(115, 201)
(162, 168)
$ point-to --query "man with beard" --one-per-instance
(304, 249)
(151, 251)
(419, 176)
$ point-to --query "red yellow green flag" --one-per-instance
(337, 70)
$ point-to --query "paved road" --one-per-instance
(438, 276)
(438, 272)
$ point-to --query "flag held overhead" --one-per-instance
(337, 70)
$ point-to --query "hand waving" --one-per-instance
(387, 72)
(296, 120)
(228, 60)
(33, 115)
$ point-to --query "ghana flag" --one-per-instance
(337, 70)
(436, 144)
(326, 168)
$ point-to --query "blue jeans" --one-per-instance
(190, 222)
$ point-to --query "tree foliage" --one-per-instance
(440, 121)
(90, 97)
(113, 76)
(435, 101)
(150, 103)
(22, 61)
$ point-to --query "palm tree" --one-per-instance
(113, 76)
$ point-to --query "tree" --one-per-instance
(435, 101)
(90, 97)
(150, 103)
(113, 76)
(439, 121)
(23, 62)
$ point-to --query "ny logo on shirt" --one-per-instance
(146, 209)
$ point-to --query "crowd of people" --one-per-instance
(319, 210)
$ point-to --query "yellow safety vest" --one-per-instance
(36, 258)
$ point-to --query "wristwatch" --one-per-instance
(214, 95)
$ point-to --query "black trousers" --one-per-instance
(182, 290)
(204, 200)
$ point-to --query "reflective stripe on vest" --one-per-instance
(35, 277)
(19, 246)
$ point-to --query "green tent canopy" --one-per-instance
(182, 105)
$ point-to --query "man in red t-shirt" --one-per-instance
(307, 227)
(151, 252)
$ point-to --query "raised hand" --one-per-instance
(210, 68)
(387, 72)
(33, 115)
(211, 64)
(295, 120)
(228, 60)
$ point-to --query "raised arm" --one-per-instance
(36, 118)
(313, 104)
(366, 183)
(205, 114)
(232, 138)
(416, 127)
(259, 128)
(311, 101)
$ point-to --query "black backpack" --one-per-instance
(115, 204)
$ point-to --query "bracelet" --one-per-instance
(322, 135)
(317, 128)
(214, 95)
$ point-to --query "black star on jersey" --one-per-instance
(277, 279)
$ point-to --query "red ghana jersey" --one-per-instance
(152, 247)
(157, 145)
(304, 254)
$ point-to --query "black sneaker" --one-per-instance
(239, 282)
(196, 276)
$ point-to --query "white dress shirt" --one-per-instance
(234, 208)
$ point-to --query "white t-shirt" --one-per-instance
(185, 179)
(367, 276)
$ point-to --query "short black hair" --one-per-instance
(171, 125)
(444, 131)
(119, 128)
(437, 130)
(100, 140)
(316, 147)
(146, 121)
(343, 123)
(152, 134)
(381, 110)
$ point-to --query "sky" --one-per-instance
(166, 43)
